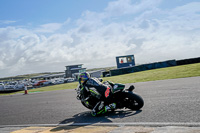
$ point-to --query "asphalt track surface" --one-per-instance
(166, 101)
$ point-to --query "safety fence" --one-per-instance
(188, 61)
(150, 66)
(143, 67)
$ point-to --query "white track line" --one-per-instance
(151, 124)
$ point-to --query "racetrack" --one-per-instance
(168, 101)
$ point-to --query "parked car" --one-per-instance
(19, 86)
(70, 80)
(9, 87)
(47, 83)
(59, 82)
(1, 86)
(39, 83)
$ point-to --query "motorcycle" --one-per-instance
(124, 98)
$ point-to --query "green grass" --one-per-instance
(191, 70)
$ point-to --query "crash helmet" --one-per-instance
(83, 77)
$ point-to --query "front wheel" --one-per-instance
(133, 101)
(87, 105)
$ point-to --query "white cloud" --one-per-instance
(49, 28)
(95, 39)
(2, 65)
(7, 21)
(123, 7)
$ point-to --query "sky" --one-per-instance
(47, 35)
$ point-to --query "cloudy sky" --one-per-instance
(47, 35)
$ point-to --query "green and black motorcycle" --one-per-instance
(124, 98)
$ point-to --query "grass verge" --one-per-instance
(191, 70)
(183, 71)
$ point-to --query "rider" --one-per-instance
(101, 91)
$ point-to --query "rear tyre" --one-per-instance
(133, 101)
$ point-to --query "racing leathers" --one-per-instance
(102, 92)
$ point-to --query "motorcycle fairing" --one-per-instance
(118, 87)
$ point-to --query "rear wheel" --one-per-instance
(133, 101)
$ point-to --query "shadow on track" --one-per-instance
(85, 119)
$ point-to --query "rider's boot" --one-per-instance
(98, 109)
(111, 107)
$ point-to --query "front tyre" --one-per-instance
(133, 101)
(87, 105)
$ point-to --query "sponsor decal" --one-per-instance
(107, 93)
(115, 86)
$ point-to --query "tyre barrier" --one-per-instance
(188, 61)
(105, 74)
(156, 65)
(143, 67)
